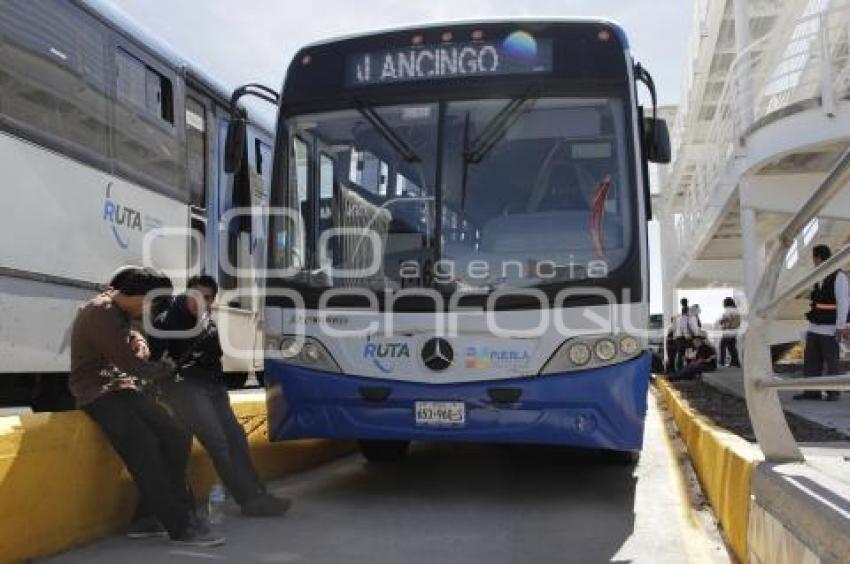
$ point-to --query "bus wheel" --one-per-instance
(235, 380)
(383, 451)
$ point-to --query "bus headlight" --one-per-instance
(629, 345)
(306, 352)
(581, 353)
(605, 350)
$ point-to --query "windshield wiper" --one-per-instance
(493, 131)
(390, 136)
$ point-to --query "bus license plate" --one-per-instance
(440, 413)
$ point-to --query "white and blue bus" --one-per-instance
(108, 137)
(459, 251)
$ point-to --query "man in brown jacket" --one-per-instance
(105, 374)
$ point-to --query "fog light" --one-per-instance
(584, 423)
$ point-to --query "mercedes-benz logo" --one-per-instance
(437, 354)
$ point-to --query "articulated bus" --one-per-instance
(458, 247)
(107, 138)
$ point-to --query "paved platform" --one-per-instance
(833, 414)
(466, 503)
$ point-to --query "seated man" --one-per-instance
(104, 380)
(199, 397)
(701, 357)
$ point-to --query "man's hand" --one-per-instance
(843, 334)
(140, 346)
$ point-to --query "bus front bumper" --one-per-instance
(598, 408)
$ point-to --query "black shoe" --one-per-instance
(266, 505)
(808, 396)
(832, 396)
(146, 528)
(193, 536)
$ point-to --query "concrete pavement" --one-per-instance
(832, 414)
(466, 503)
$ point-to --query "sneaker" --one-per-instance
(146, 528)
(266, 505)
(193, 536)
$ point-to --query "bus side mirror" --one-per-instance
(657, 140)
(234, 146)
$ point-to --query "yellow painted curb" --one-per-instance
(724, 463)
(61, 484)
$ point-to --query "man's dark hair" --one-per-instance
(683, 302)
(728, 302)
(821, 252)
(138, 280)
(204, 280)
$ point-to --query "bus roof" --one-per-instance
(470, 21)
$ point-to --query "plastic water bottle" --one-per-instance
(215, 504)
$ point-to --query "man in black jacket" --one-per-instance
(198, 397)
(827, 318)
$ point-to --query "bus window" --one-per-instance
(326, 177)
(147, 145)
(196, 144)
(326, 194)
(53, 76)
(145, 88)
(369, 172)
(297, 233)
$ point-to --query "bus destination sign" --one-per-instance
(518, 53)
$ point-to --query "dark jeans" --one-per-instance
(155, 450)
(687, 372)
(820, 358)
(672, 347)
(682, 344)
(730, 345)
(204, 409)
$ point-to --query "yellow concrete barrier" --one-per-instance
(723, 462)
(61, 484)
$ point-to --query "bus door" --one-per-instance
(238, 317)
(259, 172)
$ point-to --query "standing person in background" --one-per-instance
(729, 323)
(827, 321)
(696, 322)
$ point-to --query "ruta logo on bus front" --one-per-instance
(380, 353)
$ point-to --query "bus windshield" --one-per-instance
(469, 195)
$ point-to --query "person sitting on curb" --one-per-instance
(198, 398)
(700, 358)
(104, 380)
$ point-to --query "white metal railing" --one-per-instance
(804, 60)
(768, 419)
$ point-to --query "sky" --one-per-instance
(241, 41)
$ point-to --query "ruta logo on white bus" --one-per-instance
(124, 220)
